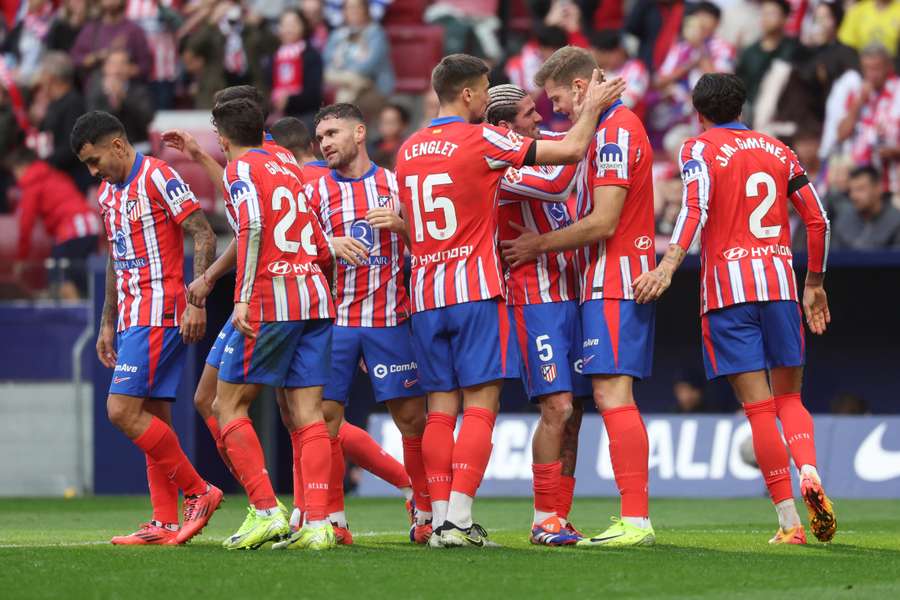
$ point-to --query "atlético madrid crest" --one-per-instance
(548, 372)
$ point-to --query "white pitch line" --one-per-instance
(56, 545)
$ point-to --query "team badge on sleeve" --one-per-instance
(691, 171)
(513, 176)
(239, 191)
(610, 158)
(177, 192)
(548, 372)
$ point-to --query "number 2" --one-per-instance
(281, 228)
(431, 204)
(756, 217)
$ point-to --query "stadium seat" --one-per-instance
(405, 12)
(415, 49)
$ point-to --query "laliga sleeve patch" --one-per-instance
(610, 157)
(177, 192)
(691, 171)
(239, 191)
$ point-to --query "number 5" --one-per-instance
(545, 350)
(756, 217)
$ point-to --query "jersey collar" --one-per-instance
(445, 121)
(731, 125)
(337, 177)
(316, 163)
(609, 110)
(268, 137)
(138, 161)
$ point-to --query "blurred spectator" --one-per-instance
(202, 60)
(160, 21)
(269, 9)
(871, 125)
(831, 58)
(689, 391)
(566, 15)
(57, 84)
(756, 60)
(849, 404)
(602, 14)
(522, 67)
(871, 222)
(611, 56)
(49, 196)
(462, 19)
(430, 107)
(67, 24)
(314, 11)
(11, 136)
(128, 99)
(112, 31)
(291, 133)
(872, 21)
(336, 15)
(656, 24)
(24, 45)
(667, 187)
(358, 60)
(393, 126)
(297, 70)
(736, 15)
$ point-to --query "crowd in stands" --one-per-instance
(820, 74)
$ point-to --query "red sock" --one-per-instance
(771, 455)
(316, 468)
(296, 445)
(213, 424)
(546, 485)
(798, 428)
(564, 496)
(336, 481)
(437, 454)
(246, 455)
(629, 452)
(365, 452)
(160, 443)
(415, 466)
(163, 494)
(473, 450)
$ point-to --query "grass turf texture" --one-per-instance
(705, 548)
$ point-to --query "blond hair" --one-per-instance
(565, 65)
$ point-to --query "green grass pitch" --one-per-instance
(705, 548)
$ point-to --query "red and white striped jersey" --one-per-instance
(142, 217)
(315, 169)
(736, 188)
(449, 174)
(535, 197)
(619, 155)
(371, 295)
(278, 274)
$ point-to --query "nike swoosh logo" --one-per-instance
(408, 383)
(120, 379)
(606, 539)
(587, 359)
(873, 462)
(475, 542)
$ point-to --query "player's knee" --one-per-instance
(203, 401)
(555, 411)
(410, 423)
(122, 413)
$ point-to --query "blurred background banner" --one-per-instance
(695, 456)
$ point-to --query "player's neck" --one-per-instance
(130, 157)
(455, 109)
(357, 167)
(235, 151)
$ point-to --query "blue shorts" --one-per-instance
(389, 358)
(215, 353)
(150, 362)
(290, 354)
(751, 337)
(618, 337)
(461, 345)
(549, 340)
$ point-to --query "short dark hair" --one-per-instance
(20, 157)
(339, 110)
(837, 11)
(236, 92)
(720, 97)
(866, 171)
(93, 127)
(240, 121)
(782, 4)
(606, 39)
(454, 73)
(291, 133)
(405, 116)
(551, 36)
(706, 7)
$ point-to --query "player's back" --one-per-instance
(448, 176)
(278, 273)
(143, 218)
(740, 178)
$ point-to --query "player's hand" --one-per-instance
(198, 290)
(181, 140)
(106, 346)
(600, 96)
(350, 250)
(240, 322)
(193, 324)
(523, 249)
(385, 218)
(815, 307)
(649, 286)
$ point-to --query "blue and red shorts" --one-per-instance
(290, 354)
(618, 337)
(388, 355)
(150, 362)
(461, 345)
(218, 348)
(752, 336)
(549, 342)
